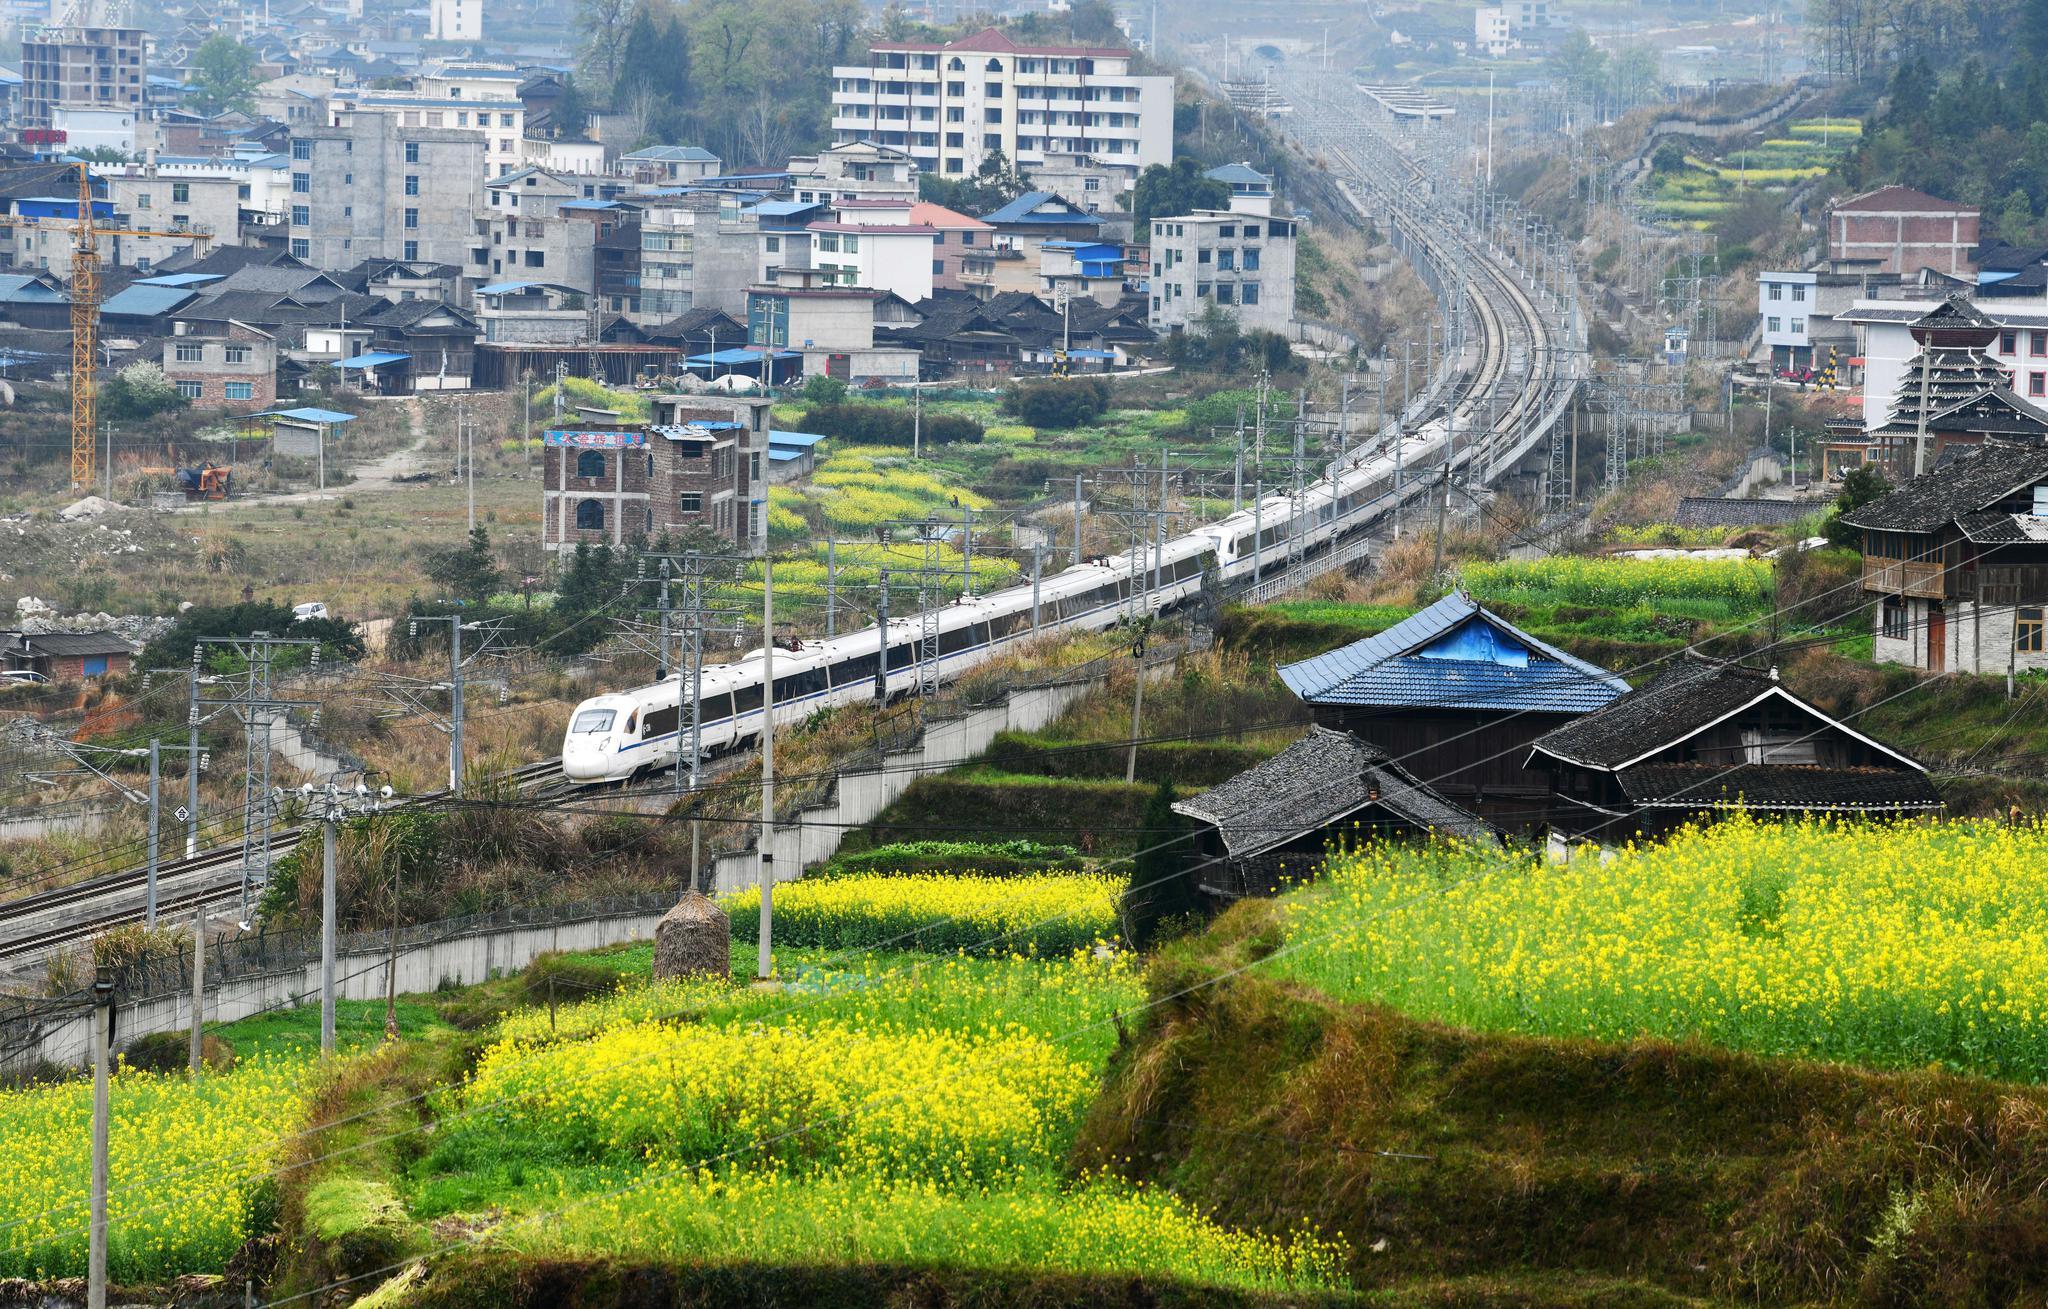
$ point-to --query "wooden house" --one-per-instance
(1273, 823)
(1708, 737)
(1457, 694)
(1955, 564)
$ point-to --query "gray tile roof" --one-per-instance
(1321, 779)
(1719, 511)
(1420, 662)
(1952, 491)
(1784, 787)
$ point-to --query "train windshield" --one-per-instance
(593, 720)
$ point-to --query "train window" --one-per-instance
(631, 718)
(901, 657)
(955, 642)
(1011, 624)
(592, 721)
(860, 668)
(1243, 546)
(712, 708)
(797, 685)
(661, 722)
(747, 699)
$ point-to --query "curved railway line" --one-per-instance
(1459, 421)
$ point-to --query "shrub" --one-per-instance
(1058, 404)
(887, 424)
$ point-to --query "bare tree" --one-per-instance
(604, 23)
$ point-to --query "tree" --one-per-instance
(137, 392)
(1161, 895)
(993, 185)
(1864, 483)
(2015, 217)
(1163, 192)
(1578, 62)
(467, 572)
(571, 113)
(223, 76)
(1670, 158)
(604, 24)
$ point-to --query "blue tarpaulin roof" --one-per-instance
(1090, 354)
(738, 356)
(177, 279)
(375, 359)
(799, 440)
(1454, 654)
(504, 288)
(307, 414)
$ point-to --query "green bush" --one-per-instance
(1058, 404)
(887, 424)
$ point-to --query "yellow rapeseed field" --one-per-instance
(184, 1160)
(1894, 944)
(1044, 913)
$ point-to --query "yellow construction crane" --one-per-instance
(85, 323)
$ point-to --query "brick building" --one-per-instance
(699, 464)
(236, 370)
(1896, 229)
(66, 656)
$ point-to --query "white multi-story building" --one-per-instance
(455, 20)
(951, 106)
(1242, 263)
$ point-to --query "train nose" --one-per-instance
(583, 761)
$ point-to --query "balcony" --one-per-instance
(1916, 577)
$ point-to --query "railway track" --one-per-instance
(36, 923)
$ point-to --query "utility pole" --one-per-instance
(410, 695)
(916, 422)
(1077, 518)
(764, 967)
(332, 808)
(198, 984)
(102, 1055)
(256, 707)
(1137, 701)
(155, 812)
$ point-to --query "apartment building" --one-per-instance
(84, 67)
(699, 464)
(691, 251)
(455, 20)
(963, 252)
(496, 122)
(522, 231)
(950, 106)
(670, 165)
(387, 189)
(854, 170)
(156, 201)
(1244, 264)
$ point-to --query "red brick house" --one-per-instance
(230, 371)
(1896, 229)
(700, 463)
(66, 656)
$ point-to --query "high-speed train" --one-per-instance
(615, 736)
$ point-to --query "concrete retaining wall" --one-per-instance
(360, 970)
(860, 796)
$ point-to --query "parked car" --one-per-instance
(310, 610)
(21, 677)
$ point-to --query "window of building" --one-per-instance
(2037, 343)
(408, 252)
(190, 352)
(236, 354)
(589, 515)
(2008, 343)
(1248, 293)
(190, 390)
(953, 165)
(1777, 292)
(412, 152)
(536, 259)
(991, 141)
(1226, 260)
(589, 463)
(181, 193)
(412, 220)
(2037, 383)
(302, 216)
(1798, 293)
(2027, 630)
(302, 184)
(1251, 261)
(992, 114)
(1892, 618)
(504, 120)
(1225, 293)
(1774, 325)
(1798, 327)
(412, 185)
(302, 149)
(691, 502)
(239, 390)
(1251, 232)
(301, 248)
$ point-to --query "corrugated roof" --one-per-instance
(1455, 653)
(1953, 490)
(66, 644)
(140, 300)
(1782, 787)
(1238, 175)
(1720, 511)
